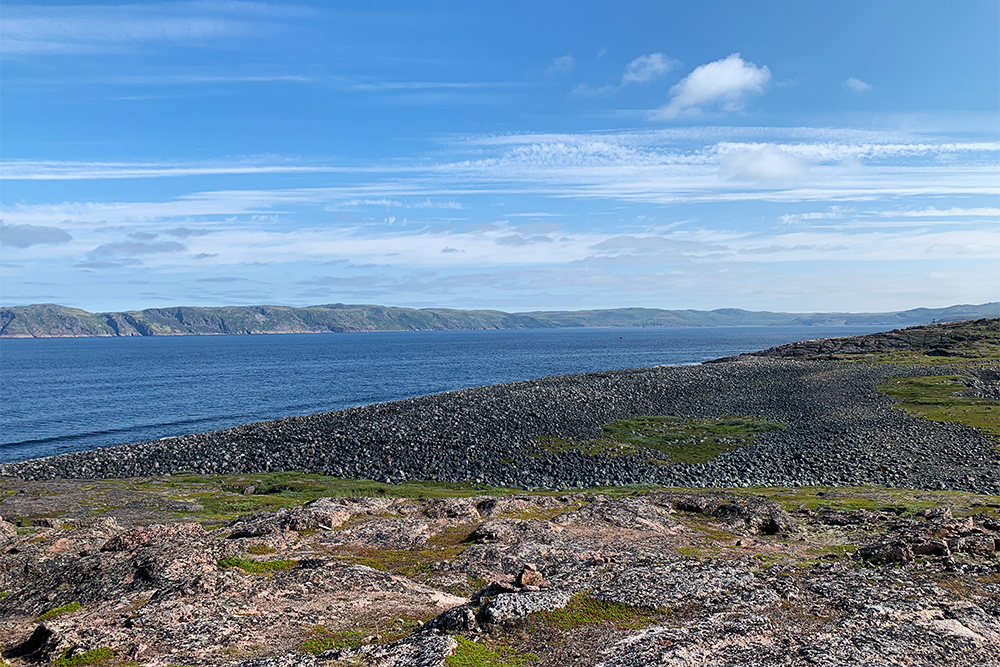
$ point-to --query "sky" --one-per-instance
(790, 156)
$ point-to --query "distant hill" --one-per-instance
(50, 320)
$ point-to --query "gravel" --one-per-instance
(841, 431)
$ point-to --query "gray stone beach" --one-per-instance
(840, 431)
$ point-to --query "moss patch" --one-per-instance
(260, 549)
(682, 439)
(471, 654)
(97, 656)
(584, 610)
(934, 397)
(59, 611)
(326, 640)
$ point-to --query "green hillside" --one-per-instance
(50, 320)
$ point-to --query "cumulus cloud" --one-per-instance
(561, 65)
(857, 85)
(725, 83)
(25, 236)
(142, 236)
(769, 165)
(648, 67)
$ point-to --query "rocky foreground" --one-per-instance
(662, 578)
(114, 557)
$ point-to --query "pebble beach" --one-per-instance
(840, 431)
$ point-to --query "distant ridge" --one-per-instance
(54, 321)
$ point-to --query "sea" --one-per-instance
(67, 394)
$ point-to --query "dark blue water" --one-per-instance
(64, 394)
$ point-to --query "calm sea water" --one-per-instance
(65, 394)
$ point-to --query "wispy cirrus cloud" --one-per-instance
(122, 29)
(38, 170)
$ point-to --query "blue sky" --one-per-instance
(785, 156)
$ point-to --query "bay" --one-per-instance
(67, 394)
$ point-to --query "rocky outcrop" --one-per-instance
(662, 578)
(939, 340)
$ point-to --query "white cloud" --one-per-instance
(857, 85)
(561, 65)
(769, 165)
(725, 82)
(647, 68)
(945, 213)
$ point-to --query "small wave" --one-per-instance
(138, 429)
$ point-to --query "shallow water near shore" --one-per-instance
(69, 394)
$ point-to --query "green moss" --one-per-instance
(471, 654)
(326, 640)
(683, 439)
(260, 549)
(934, 397)
(59, 611)
(257, 566)
(97, 656)
(584, 610)
(406, 562)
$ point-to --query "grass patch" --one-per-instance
(934, 397)
(97, 656)
(897, 501)
(326, 640)
(257, 566)
(584, 610)
(406, 562)
(260, 549)
(682, 439)
(59, 611)
(445, 545)
(471, 654)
